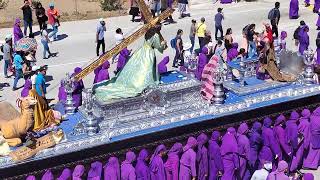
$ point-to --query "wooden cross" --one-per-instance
(125, 43)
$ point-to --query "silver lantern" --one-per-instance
(218, 93)
(68, 84)
(309, 62)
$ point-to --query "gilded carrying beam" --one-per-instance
(126, 42)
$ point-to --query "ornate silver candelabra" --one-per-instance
(91, 121)
(68, 84)
(308, 71)
(242, 72)
(218, 93)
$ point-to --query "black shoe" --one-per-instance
(318, 28)
(307, 5)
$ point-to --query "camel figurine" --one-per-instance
(12, 130)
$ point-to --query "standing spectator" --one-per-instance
(53, 20)
(119, 36)
(45, 42)
(294, 9)
(18, 64)
(41, 15)
(7, 54)
(252, 49)
(164, 5)
(201, 32)
(218, 23)
(100, 36)
(17, 32)
(182, 7)
(192, 35)
(228, 40)
(27, 17)
(155, 7)
(134, 9)
(41, 87)
(179, 48)
(274, 17)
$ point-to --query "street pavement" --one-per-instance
(77, 48)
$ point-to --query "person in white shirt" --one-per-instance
(35, 71)
(263, 173)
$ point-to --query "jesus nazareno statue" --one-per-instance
(139, 73)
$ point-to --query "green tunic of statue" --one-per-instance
(139, 73)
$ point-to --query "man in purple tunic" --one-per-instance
(294, 9)
(104, 73)
(162, 66)
(142, 169)
(188, 161)
(279, 174)
(65, 175)
(202, 61)
(270, 150)
(127, 170)
(172, 164)
(62, 93)
(156, 164)
(77, 90)
(303, 39)
(112, 169)
(243, 150)
(313, 157)
(123, 58)
(316, 6)
(47, 175)
(292, 133)
(96, 72)
(304, 140)
(233, 52)
(95, 171)
(230, 158)
(30, 177)
(280, 135)
(256, 143)
(215, 159)
(17, 32)
(202, 157)
(78, 172)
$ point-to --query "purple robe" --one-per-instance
(77, 90)
(188, 160)
(202, 157)
(292, 131)
(95, 171)
(31, 178)
(142, 169)
(308, 176)
(172, 164)
(162, 66)
(96, 72)
(157, 171)
(202, 61)
(294, 9)
(47, 175)
(225, 1)
(229, 152)
(318, 21)
(243, 150)
(112, 169)
(304, 133)
(316, 5)
(215, 159)
(65, 175)
(280, 135)
(62, 94)
(270, 146)
(104, 73)
(123, 58)
(313, 157)
(303, 39)
(78, 172)
(17, 32)
(279, 174)
(233, 52)
(256, 143)
(26, 88)
(318, 48)
(307, 1)
(128, 172)
(283, 43)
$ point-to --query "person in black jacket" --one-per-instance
(41, 16)
(275, 19)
